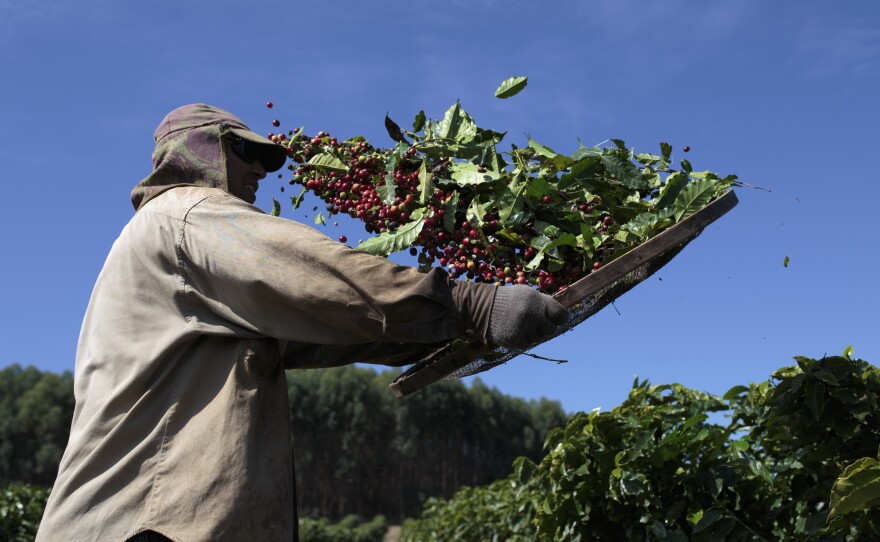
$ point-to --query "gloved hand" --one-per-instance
(522, 316)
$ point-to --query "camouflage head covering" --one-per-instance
(189, 151)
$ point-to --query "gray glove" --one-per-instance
(522, 316)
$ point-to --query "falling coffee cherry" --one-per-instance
(269, 105)
(686, 149)
(276, 123)
(343, 239)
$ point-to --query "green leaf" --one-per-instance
(296, 201)
(653, 180)
(857, 489)
(671, 189)
(707, 519)
(694, 421)
(580, 171)
(545, 228)
(456, 125)
(401, 238)
(626, 237)
(564, 239)
(666, 152)
(695, 196)
(734, 393)
(386, 195)
(276, 208)
(541, 149)
(419, 121)
(785, 262)
(490, 159)
(510, 203)
(848, 352)
(715, 486)
(475, 213)
(511, 87)
(685, 165)
(826, 377)
(758, 468)
(320, 219)
(540, 241)
(426, 184)
(533, 264)
(389, 190)
(586, 152)
(641, 225)
(815, 397)
(449, 211)
(537, 187)
(647, 159)
(464, 174)
(740, 445)
(327, 161)
(623, 170)
(488, 136)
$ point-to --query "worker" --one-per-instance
(181, 425)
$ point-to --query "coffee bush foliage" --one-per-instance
(21, 507)
(349, 529)
(447, 194)
(792, 458)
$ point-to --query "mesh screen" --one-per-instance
(579, 313)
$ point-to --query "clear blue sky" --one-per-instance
(783, 94)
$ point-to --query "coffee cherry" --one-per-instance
(276, 123)
(686, 149)
(343, 239)
(269, 105)
(483, 254)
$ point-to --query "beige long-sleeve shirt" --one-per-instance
(181, 419)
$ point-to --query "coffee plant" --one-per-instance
(796, 461)
(349, 529)
(21, 507)
(529, 216)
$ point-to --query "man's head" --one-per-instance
(203, 145)
(243, 167)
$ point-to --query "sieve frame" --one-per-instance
(446, 360)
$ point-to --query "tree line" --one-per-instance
(357, 449)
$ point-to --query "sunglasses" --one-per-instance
(244, 149)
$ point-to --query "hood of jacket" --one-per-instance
(190, 151)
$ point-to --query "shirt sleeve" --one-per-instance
(320, 356)
(282, 279)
